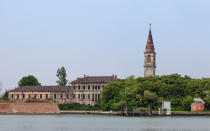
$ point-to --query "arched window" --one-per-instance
(149, 58)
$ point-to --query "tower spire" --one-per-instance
(150, 45)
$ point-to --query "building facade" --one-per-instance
(85, 90)
(149, 57)
(60, 94)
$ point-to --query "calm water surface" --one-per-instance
(101, 123)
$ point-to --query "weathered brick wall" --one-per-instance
(28, 108)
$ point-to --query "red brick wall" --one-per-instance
(197, 107)
(28, 108)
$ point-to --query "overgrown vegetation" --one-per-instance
(142, 92)
(61, 74)
(29, 80)
(77, 106)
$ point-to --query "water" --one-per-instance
(101, 123)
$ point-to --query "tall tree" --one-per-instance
(61, 74)
(5, 95)
(29, 80)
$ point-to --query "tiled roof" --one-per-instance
(42, 89)
(198, 100)
(95, 79)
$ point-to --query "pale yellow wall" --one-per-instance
(32, 95)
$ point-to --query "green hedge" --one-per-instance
(76, 106)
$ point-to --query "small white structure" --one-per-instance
(166, 106)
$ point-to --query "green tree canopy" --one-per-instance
(5, 95)
(29, 80)
(144, 91)
(61, 74)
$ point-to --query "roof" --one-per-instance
(95, 79)
(150, 45)
(42, 89)
(198, 101)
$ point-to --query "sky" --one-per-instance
(101, 37)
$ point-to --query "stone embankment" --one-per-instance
(29, 108)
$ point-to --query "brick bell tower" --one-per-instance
(149, 57)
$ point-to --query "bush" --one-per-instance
(77, 106)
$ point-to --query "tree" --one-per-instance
(29, 80)
(186, 102)
(143, 91)
(5, 95)
(61, 74)
(150, 98)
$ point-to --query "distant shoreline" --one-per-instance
(52, 108)
(134, 114)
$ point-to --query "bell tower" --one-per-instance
(149, 57)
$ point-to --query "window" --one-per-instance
(40, 96)
(23, 96)
(92, 97)
(17, 96)
(88, 87)
(73, 95)
(95, 87)
(83, 96)
(29, 96)
(88, 96)
(99, 87)
(83, 87)
(78, 87)
(35, 96)
(61, 95)
(74, 87)
(12, 95)
(46, 96)
(149, 58)
(95, 96)
(99, 96)
(67, 96)
(54, 95)
(79, 96)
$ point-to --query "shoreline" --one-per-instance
(140, 114)
(111, 113)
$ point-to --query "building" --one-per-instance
(87, 90)
(198, 105)
(149, 57)
(61, 94)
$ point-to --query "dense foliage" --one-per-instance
(5, 95)
(61, 74)
(150, 91)
(77, 106)
(28, 81)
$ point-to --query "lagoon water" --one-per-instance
(101, 123)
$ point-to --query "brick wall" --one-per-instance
(29, 108)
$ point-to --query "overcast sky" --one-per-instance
(101, 37)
